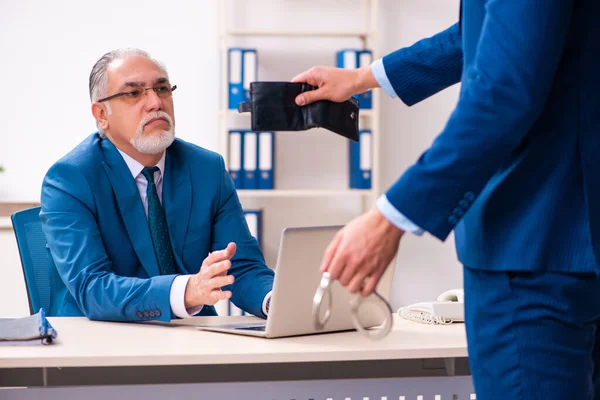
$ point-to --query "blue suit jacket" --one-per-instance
(98, 235)
(516, 171)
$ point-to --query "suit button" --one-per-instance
(146, 314)
(151, 313)
(458, 212)
(452, 220)
(469, 196)
(140, 314)
(157, 313)
(463, 204)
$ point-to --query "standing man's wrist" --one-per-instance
(365, 80)
(385, 225)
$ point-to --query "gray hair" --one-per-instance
(98, 83)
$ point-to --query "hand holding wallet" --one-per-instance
(274, 108)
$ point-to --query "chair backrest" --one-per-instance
(35, 257)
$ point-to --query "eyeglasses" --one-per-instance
(324, 291)
(163, 91)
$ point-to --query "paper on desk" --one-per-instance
(32, 330)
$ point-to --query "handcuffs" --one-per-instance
(324, 291)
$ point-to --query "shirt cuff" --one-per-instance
(177, 298)
(264, 303)
(381, 77)
(396, 217)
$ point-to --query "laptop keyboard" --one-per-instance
(260, 328)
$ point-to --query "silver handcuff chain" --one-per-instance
(320, 320)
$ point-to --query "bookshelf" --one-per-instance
(321, 203)
(366, 34)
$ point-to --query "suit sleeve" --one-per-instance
(253, 279)
(69, 224)
(425, 68)
(503, 92)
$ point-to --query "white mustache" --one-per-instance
(155, 115)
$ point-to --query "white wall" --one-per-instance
(48, 49)
(425, 265)
(13, 297)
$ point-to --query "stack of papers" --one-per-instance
(31, 330)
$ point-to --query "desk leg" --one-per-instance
(450, 364)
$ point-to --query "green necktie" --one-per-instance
(159, 231)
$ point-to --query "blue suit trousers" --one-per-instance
(533, 335)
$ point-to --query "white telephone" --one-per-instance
(448, 308)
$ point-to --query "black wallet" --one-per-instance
(274, 108)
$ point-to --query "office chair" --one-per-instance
(38, 266)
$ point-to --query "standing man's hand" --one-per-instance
(204, 288)
(335, 84)
(361, 251)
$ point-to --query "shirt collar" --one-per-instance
(136, 168)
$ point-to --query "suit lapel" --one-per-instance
(130, 206)
(177, 202)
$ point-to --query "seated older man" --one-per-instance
(142, 225)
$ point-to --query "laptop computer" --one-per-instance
(297, 277)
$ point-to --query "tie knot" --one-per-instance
(148, 172)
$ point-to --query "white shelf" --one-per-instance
(5, 223)
(316, 34)
(233, 113)
(304, 193)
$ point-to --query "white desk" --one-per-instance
(98, 353)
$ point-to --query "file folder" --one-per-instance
(233, 310)
(352, 59)
(222, 307)
(250, 68)
(254, 221)
(266, 147)
(235, 158)
(249, 160)
(226, 307)
(361, 161)
(365, 99)
(347, 59)
(236, 90)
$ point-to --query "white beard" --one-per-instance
(157, 143)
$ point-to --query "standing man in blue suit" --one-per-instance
(131, 214)
(515, 173)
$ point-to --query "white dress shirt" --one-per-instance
(177, 294)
